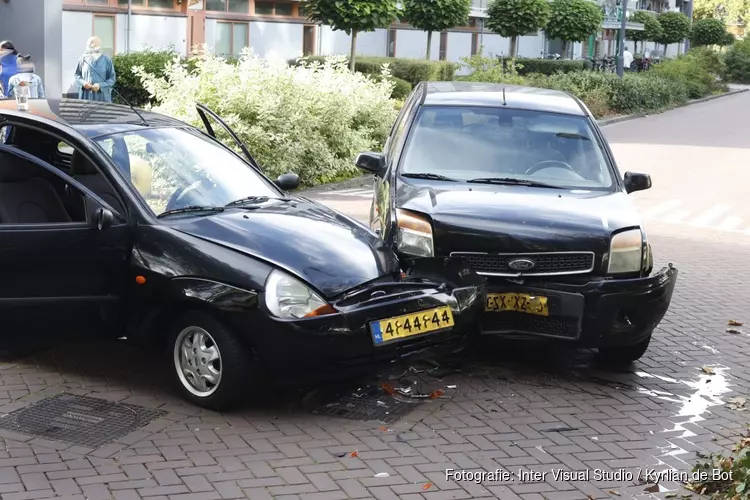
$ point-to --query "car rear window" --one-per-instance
(466, 143)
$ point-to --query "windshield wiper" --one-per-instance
(192, 208)
(251, 200)
(427, 175)
(566, 135)
(512, 182)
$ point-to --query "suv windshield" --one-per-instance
(177, 168)
(485, 144)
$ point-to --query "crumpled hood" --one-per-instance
(492, 218)
(327, 250)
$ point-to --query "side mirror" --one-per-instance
(287, 182)
(104, 218)
(636, 182)
(372, 162)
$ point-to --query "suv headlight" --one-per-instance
(289, 298)
(625, 252)
(413, 234)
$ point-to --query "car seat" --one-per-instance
(25, 197)
(87, 174)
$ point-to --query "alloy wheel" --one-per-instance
(197, 360)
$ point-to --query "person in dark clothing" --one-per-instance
(8, 64)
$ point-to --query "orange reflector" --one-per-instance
(321, 311)
(140, 280)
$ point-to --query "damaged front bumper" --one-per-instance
(598, 313)
(348, 339)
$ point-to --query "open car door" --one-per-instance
(207, 116)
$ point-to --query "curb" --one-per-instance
(367, 180)
(618, 119)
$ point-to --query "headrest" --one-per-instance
(80, 165)
(14, 169)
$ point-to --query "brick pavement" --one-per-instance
(514, 407)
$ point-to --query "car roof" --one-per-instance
(499, 95)
(91, 118)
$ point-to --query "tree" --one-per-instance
(514, 18)
(651, 28)
(352, 16)
(708, 31)
(436, 15)
(728, 40)
(675, 28)
(727, 10)
(573, 21)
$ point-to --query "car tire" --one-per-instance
(209, 363)
(625, 354)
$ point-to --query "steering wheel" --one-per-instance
(181, 197)
(548, 164)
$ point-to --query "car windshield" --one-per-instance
(177, 168)
(506, 145)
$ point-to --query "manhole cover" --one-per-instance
(367, 407)
(79, 420)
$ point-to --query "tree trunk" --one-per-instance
(513, 46)
(429, 44)
(353, 52)
(564, 49)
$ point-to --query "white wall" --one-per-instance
(77, 27)
(338, 43)
(412, 44)
(531, 46)
(494, 45)
(459, 46)
(156, 32)
(272, 40)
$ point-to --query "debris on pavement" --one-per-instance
(427, 486)
(733, 330)
(614, 492)
(382, 474)
(737, 403)
(654, 488)
(734, 322)
(354, 454)
(708, 370)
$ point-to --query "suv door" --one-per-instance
(65, 275)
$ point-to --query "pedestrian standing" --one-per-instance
(95, 73)
(8, 64)
(26, 77)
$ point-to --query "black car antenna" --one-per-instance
(132, 108)
(505, 103)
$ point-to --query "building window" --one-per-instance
(308, 41)
(443, 45)
(231, 38)
(150, 4)
(234, 6)
(274, 9)
(391, 48)
(104, 28)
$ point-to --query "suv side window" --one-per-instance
(396, 139)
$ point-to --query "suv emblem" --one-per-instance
(521, 264)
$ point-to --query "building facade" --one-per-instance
(273, 28)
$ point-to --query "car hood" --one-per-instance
(329, 251)
(517, 219)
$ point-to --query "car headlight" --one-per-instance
(625, 252)
(289, 298)
(413, 234)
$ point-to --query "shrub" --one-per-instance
(724, 477)
(311, 119)
(411, 70)
(492, 70)
(549, 66)
(737, 60)
(128, 83)
(709, 31)
(689, 69)
(710, 60)
(401, 88)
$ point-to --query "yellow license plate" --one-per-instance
(417, 323)
(517, 302)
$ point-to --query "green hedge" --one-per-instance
(737, 61)
(410, 70)
(548, 66)
(128, 84)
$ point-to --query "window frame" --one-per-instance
(294, 8)
(314, 39)
(114, 29)
(231, 37)
(117, 5)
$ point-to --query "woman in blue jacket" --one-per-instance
(95, 73)
(8, 64)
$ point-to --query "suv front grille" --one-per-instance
(545, 264)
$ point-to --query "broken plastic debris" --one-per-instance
(427, 486)
(436, 394)
(388, 388)
(614, 492)
(340, 455)
(381, 403)
(708, 370)
(354, 454)
(654, 488)
(736, 403)
(734, 322)
(382, 474)
(733, 330)
(451, 386)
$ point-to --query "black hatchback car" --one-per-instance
(521, 185)
(127, 222)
